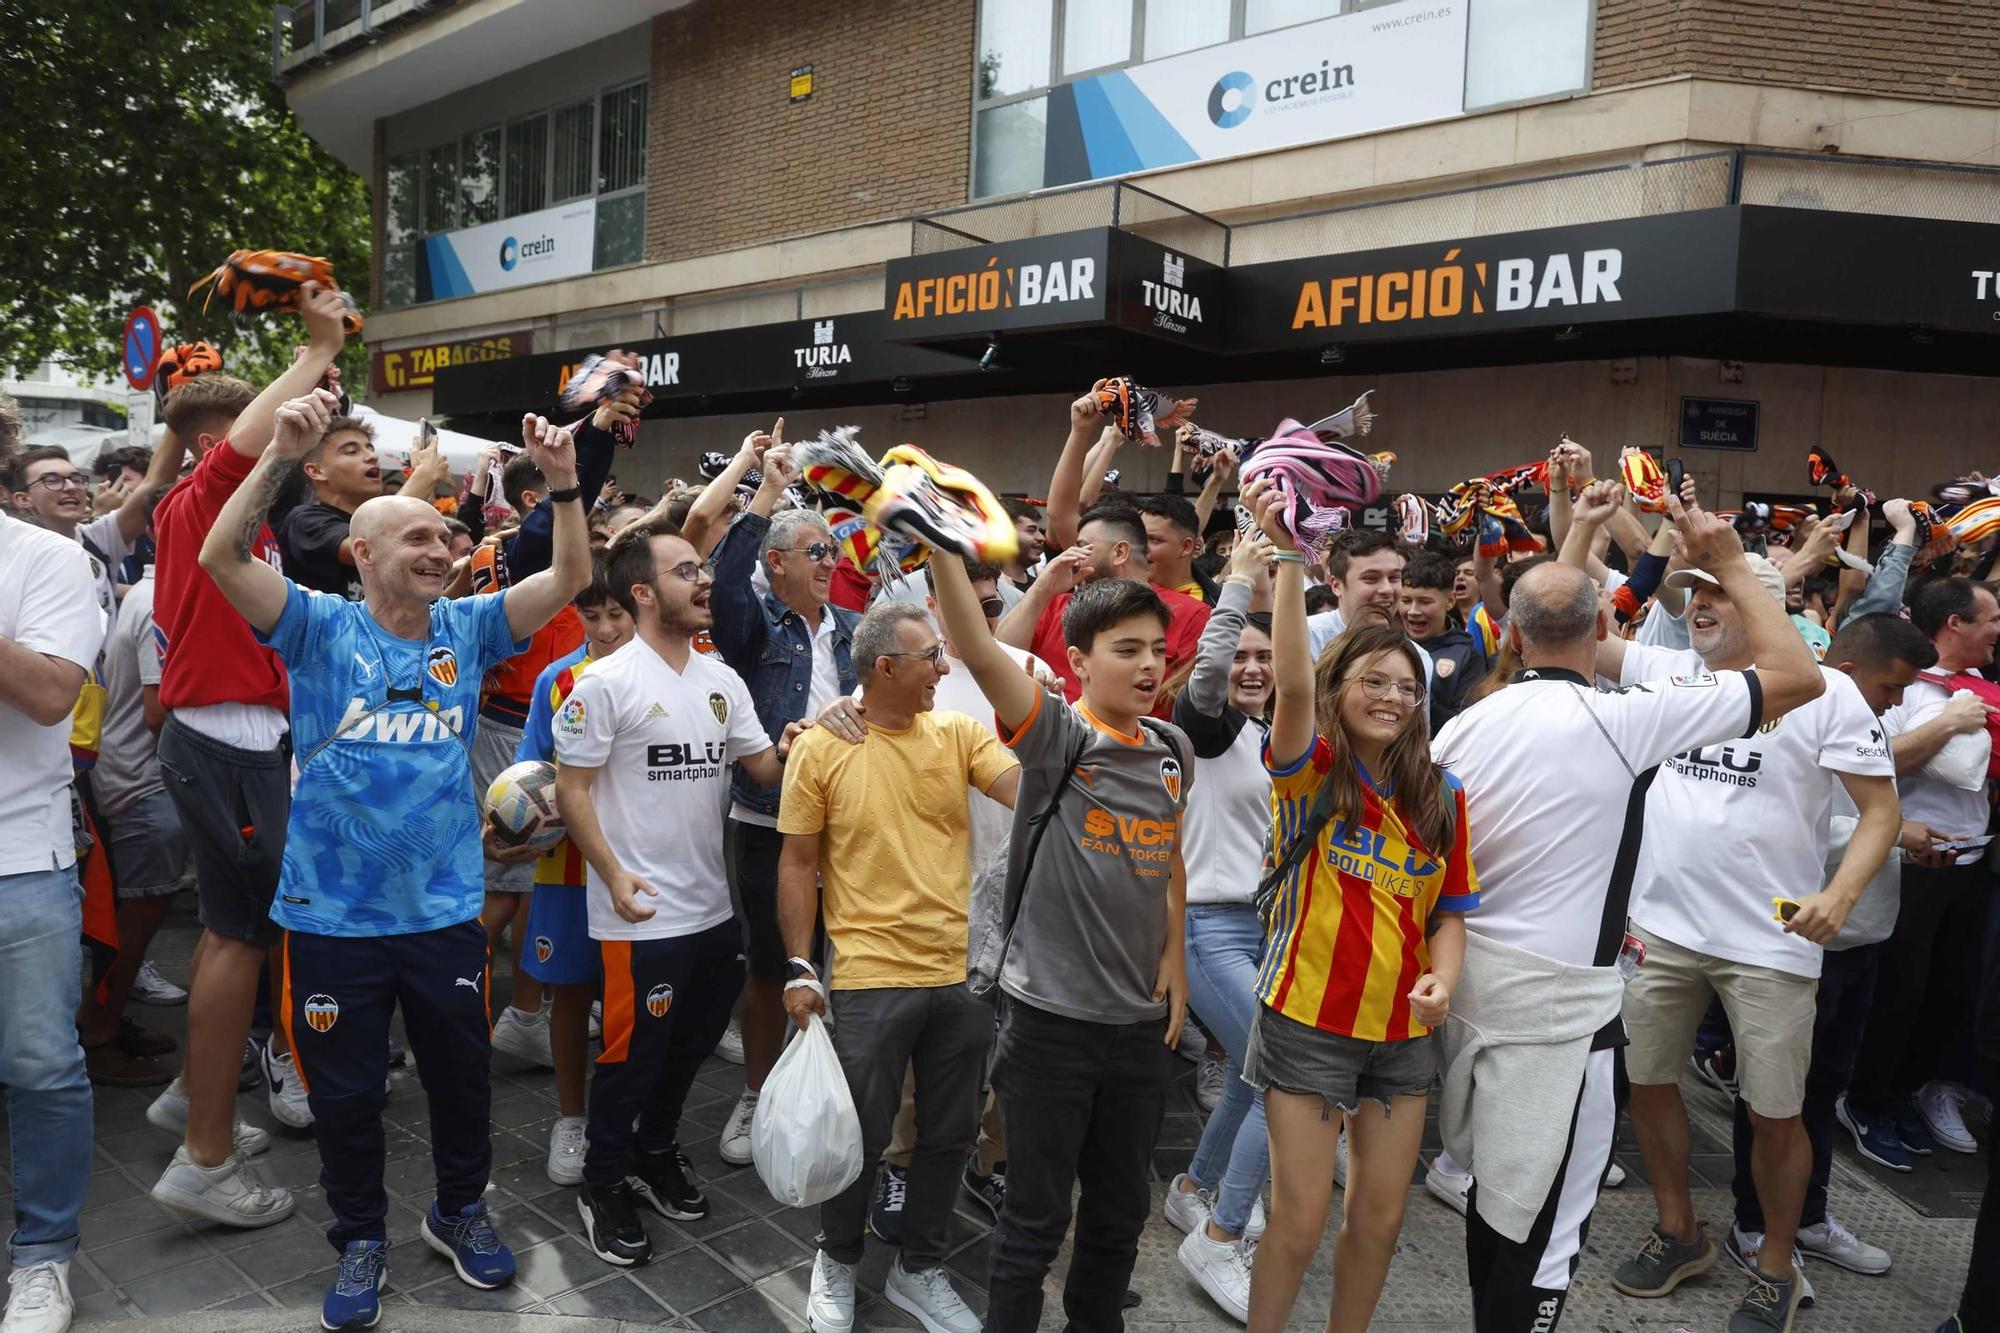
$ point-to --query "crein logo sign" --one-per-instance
(823, 360)
(513, 251)
(1174, 308)
(996, 288)
(1231, 99)
(1453, 289)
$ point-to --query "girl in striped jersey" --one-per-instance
(1366, 934)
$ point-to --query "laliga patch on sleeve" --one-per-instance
(570, 720)
(1692, 682)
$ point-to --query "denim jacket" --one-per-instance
(769, 645)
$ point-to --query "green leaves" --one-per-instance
(147, 142)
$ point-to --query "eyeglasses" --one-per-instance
(991, 607)
(690, 572)
(61, 481)
(1379, 688)
(935, 655)
(817, 552)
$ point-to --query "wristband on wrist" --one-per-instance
(566, 494)
(1289, 557)
(802, 967)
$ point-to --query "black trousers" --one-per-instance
(1082, 1103)
(1928, 979)
(338, 993)
(1846, 989)
(666, 1003)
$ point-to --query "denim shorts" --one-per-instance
(1289, 1056)
(148, 851)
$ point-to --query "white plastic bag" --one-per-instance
(805, 1136)
(1963, 760)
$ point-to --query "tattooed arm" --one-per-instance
(254, 588)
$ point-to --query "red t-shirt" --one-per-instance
(1186, 620)
(209, 653)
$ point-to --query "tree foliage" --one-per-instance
(146, 142)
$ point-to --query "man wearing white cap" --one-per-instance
(1727, 899)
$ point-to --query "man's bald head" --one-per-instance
(387, 514)
(1554, 607)
(402, 550)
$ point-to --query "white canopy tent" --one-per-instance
(393, 437)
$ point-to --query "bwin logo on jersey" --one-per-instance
(363, 723)
(322, 1012)
(659, 1000)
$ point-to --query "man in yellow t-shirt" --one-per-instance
(884, 825)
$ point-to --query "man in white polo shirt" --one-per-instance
(1550, 766)
(1743, 918)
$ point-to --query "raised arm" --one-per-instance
(1594, 508)
(1096, 465)
(1884, 589)
(710, 511)
(1059, 575)
(323, 310)
(534, 601)
(1292, 718)
(1786, 670)
(256, 590)
(1248, 574)
(1219, 474)
(1012, 692)
(1066, 484)
(161, 473)
(427, 469)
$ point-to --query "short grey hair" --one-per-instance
(784, 529)
(880, 634)
(1554, 605)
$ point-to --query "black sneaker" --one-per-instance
(990, 1190)
(885, 1215)
(660, 1179)
(611, 1224)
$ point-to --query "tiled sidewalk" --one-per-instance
(746, 1266)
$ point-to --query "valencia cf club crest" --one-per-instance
(1170, 776)
(442, 666)
(659, 1000)
(322, 1012)
(719, 705)
(544, 946)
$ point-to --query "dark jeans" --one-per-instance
(1979, 1304)
(339, 993)
(944, 1034)
(1846, 988)
(1927, 983)
(666, 1002)
(1082, 1103)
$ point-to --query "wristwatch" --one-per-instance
(801, 969)
(566, 494)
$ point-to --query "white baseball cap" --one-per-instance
(1767, 574)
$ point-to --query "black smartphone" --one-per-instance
(427, 432)
(1675, 471)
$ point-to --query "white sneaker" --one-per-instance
(231, 1194)
(736, 1137)
(1742, 1247)
(1187, 1209)
(38, 1299)
(930, 1297)
(1193, 1043)
(597, 1020)
(1615, 1177)
(1340, 1159)
(830, 1307)
(287, 1091)
(566, 1148)
(169, 1111)
(149, 987)
(1223, 1269)
(524, 1036)
(1837, 1245)
(1938, 1104)
(730, 1048)
(1209, 1083)
(1451, 1188)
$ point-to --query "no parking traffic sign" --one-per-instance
(142, 347)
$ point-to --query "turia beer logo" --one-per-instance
(1455, 289)
(822, 360)
(1173, 307)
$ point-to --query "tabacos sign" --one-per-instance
(1457, 287)
(1636, 268)
(397, 368)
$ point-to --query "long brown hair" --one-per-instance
(1417, 782)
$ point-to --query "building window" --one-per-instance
(571, 129)
(441, 188)
(479, 177)
(621, 177)
(1095, 34)
(1174, 26)
(527, 165)
(1264, 15)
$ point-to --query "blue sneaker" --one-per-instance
(469, 1241)
(356, 1298)
(1875, 1137)
(1912, 1130)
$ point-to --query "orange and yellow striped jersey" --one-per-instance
(1347, 938)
